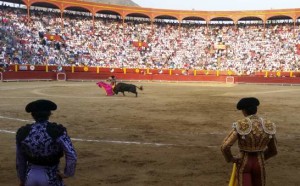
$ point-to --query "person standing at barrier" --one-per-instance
(39, 147)
(256, 142)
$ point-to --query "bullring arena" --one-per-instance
(193, 70)
(169, 135)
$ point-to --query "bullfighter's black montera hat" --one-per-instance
(247, 103)
(40, 106)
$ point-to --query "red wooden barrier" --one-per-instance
(27, 72)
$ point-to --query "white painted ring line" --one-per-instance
(16, 119)
(87, 140)
(116, 141)
(105, 141)
(113, 141)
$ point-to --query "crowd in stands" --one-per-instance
(138, 44)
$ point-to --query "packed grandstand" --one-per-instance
(45, 35)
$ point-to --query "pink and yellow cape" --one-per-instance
(107, 87)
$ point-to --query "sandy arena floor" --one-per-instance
(169, 136)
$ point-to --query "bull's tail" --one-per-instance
(140, 87)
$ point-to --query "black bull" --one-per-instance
(122, 87)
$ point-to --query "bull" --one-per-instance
(122, 87)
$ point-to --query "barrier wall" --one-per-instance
(136, 71)
(267, 80)
(80, 76)
(27, 76)
(80, 73)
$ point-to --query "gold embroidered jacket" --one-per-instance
(254, 134)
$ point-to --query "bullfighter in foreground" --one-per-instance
(40, 146)
(256, 142)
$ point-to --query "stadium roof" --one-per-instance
(112, 2)
(115, 2)
(152, 14)
(218, 5)
(14, 1)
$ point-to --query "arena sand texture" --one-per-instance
(170, 135)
